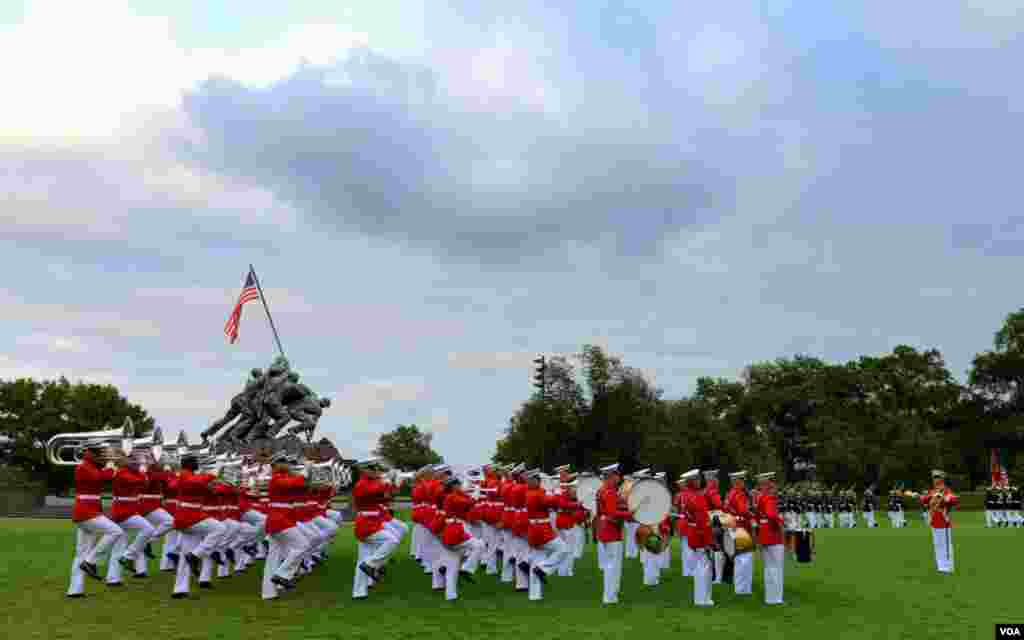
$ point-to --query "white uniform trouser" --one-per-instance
(334, 515)
(652, 567)
(329, 528)
(548, 559)
(508, 570)
(665, 557)
(942, 540)
(522, 555)
(491, 541)
(162, 522)
(702, 578)
(611, 554)
(461, 557)
(568, 538)
(869, 519)
(632, 550)
(314, 537)
(892, 520)
(812, 519)
(773, 557)
(581, 541)
(171, 541)
(144, 531)
(686, 557)
(374, 551)
(283, 558)
(94, 537)
(719, 560)
(416, 544)
(743, 573)
(990, 518)
(200, 540)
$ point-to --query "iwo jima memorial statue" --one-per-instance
(255, 423)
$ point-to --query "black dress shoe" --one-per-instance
(524, 567)
(149, 551)
(115, 584)
(230, 553)
(194, 562)
(543, 577)
(443, 571)
(205, 585)
(370, 571)
(467, 576)
(216, 557)
(141, 575)
(126, 563)
(90, 570)
(179, 596)
(77, 595)
(284, 583)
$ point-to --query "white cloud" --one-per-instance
(371, 398)
(491, 360)
(55, 344)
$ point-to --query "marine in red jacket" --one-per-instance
(940, 501)
(96, 533)
(770, 536)
(194, 523)
(611, 513)
(457, 506)
(737, 504)
(539, 506)
(127, 486)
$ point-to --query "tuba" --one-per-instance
(67, 449)
(320, 474)
(144, 448)
(229, 470)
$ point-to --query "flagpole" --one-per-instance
(263, 299)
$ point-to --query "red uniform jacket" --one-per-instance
(665, 527)
(476, 512)
(192, 491)
(521, 526)
(213, 501)
(738, 504)
(245, 500)
(229, 502)
(456, 506)
(153, 492)
(610, 516)
(171, 493)
(679, 500)
(582, 516)
(89, 481)
(770, 523)
(508, 511)
(300, 504)
(419, 499)
(538, 508)
(940, 520)
(282, 490)
(439, 518)
(367, 496)
(713, 496)
(568, 512)
(127, 487)
(698, 520)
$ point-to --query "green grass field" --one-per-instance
(878, 583)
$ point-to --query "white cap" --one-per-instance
(660, 475)
(738, 474)
(690, 475)
(441, 468)
(532, 474)
(766, 476)
(612, 468)
(642, 472)
(564, 467)
(936, 473)
(574, 483)
(711, 474)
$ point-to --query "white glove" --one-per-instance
(143, 468)
(110, 465)
(167, 468)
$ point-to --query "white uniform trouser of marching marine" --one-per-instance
(508, 550)
(522, 555)
(547, 559)
(200, 540)
(491, 539)
(461, 557)
(611, 564)
(942, 540)
(685, 557)
(773, 557)
(283, 558)
(567, 568)
(144, 531)
(719, 559)
(171, 541)
(651, 563)
(991, 518)
(702, 569)
(665, 557)
(163, 523)
(743, 573)
(93, 538)
(374, 551)
(869, 519)
(632, 550)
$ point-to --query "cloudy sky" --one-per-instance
(434, 194)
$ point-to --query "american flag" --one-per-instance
(249, 293)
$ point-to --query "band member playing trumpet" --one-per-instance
(699, 539)
(548, 551)
(770, 538)
(737, 503)
(376, 542)
(940, 501)
(462, 551)
(199, 533)
(96, 533)
(611, 518)
(151, 508)
(287, 542)
(127, 487)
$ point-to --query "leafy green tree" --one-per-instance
(407, 448)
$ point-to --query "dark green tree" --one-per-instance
(407, 448)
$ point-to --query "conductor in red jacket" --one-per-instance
(939, 502)
(96, 532)
(770, 538)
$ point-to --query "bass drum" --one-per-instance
(586, 491)
(804, 546)
(648, 500)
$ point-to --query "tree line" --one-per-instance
(885, 419)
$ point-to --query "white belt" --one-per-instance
(539, 520)
(171, 501)
(120, 499)
(281, 505)
(369, 514)
(451, 520)
(151, 496)
(421, 504)
(208, 508)
(312, 504)
(80, 497)
(190, 505)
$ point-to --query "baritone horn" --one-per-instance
(67, 449)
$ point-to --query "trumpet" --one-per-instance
(67, 449)
(229, 470)
(397, 477)
(142, 448)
